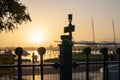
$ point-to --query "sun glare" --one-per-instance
(36, 37)
(36, 53)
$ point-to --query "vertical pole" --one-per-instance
(87, 67)
(104, 51)
(106, 61)
(119, 64)
(70, 25)
(33, 70)
(118, 52)
(93, 31)
(19, 52)
(66, 52)
(41, 51)
(104, 71)
(66, 60)
(87, 51)
(41, 64)
(19, 68)
(114, 36)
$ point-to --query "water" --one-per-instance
(47, 55)
(75, 76)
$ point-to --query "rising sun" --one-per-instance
(36, 37)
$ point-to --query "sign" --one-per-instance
(6, 60)
(69, 29)
(65, 37)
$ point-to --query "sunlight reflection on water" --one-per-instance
(47, 55)
(75, 76)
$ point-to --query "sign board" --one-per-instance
(6, 60)
(69, 29)
(65, 37)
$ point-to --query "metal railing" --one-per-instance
(82, 70)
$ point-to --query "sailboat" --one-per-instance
(25, 53)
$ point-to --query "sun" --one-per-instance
(36, 37)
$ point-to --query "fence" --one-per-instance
(81, 70)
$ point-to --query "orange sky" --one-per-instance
(49, 17)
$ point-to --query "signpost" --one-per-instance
(66, 52)
(69, 29)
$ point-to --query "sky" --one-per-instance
(49, 17)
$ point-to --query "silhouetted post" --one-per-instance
(33, 70)
(87, 51)
(41, 51)
(66, 52)
(118, 51)
(66, 60)
(104, 51)
(70, 28)
(19, 52)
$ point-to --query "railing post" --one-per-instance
(19, 52)
(66, 52)
(104, 51)
(118, 52)
(33, 70)
(66, 60)
(87, 51)
(41, 51)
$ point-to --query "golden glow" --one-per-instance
(36, 53)
(49, 20)
(36, 36)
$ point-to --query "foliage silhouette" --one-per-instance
(12, 14)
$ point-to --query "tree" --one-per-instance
(12, 14)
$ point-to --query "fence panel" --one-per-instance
(82, 70)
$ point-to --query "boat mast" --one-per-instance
(114, 33)
(93, 29)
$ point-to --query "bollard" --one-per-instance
(66, 60)
(41, 51)
(87, 51)
(104, 51)
(19, 52)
